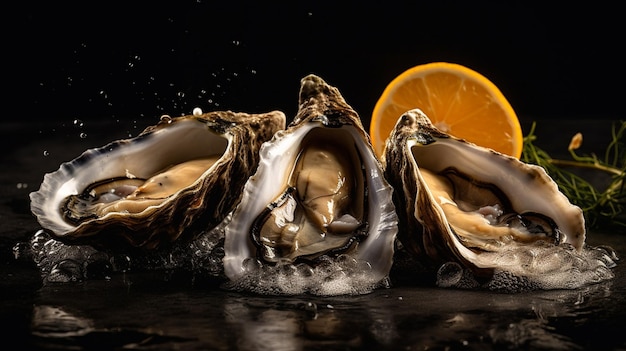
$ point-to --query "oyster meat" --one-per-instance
(173, 181)
(459, 202)
(317, 197)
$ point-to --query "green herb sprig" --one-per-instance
(603, 206)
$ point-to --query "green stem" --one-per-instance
(596, 166)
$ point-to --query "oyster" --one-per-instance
(317, 197)
(173, 181)
(459, 202)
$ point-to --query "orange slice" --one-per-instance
(458, 100)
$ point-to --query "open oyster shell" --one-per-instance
(458, 201)
(318, 195)
(173, 181)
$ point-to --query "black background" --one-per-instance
(132, 62)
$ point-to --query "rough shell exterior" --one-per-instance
(234, 137)
(425, 229)
(321, 109)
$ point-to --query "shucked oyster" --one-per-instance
(173, 181)
(458, 202)
(318, 197)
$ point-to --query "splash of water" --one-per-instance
(61, 263)
(343, 275)
(520, 268)
(536, 266)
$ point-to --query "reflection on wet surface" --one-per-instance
(160, 311)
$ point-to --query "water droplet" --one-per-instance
(197, 111)
(166, 119)
(78, 123)
(22, 185)
(46, 153)
(83, 135)
(20, 250)
(311, 308)
(121, 263)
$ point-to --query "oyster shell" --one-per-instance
(318, 195)
(458, 202)
(173, 181)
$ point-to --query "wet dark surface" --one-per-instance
(164, 310)
(82, 76)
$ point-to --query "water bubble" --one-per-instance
(607, 251)
(287, 270)
(22, 185)
(78, 123)
(20, 250)
(251, 265)
(304, 270)
(120, 263)
(83, 135)
(46, 153)
(65, 271)
(449, 274)
(197, 111)
(347, 262)
(364, 267)
(98, 270)
(98, 266)
(166, 119)
(337, 275)
(39, 239)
